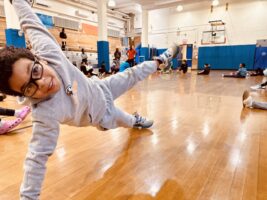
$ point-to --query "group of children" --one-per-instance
(48, 78)
(247, 100)
(184, 68)
(242, 72)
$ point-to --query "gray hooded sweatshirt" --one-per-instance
(47, 114)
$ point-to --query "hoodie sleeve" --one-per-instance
(42, 145)
(42, 41)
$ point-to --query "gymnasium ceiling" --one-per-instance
(134, 6)
(153, 4)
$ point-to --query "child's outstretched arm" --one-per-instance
(42, 41)
(42, 145)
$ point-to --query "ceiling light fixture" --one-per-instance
(215, 2)
(179, 8)
(111, 3)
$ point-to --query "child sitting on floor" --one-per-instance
(205, 71)
(241, 73)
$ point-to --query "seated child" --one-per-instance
(115, 66)
(102, 70)
(258, 72)
(205, 71)
(87, 69)
(241, 73)
(184, 66)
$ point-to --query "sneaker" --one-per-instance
(24, 112)
(142, 122)
(247, 99)
(257, 87)
(167, 56)
(9, 125)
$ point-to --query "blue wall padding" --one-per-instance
(13, 38)
(260, 58)
(175, 64)
(174, 61)
(138, 53)
(226, 57)
(189, 54)
(103, 54)
(144, 51)
(46, 20)
(160, 51)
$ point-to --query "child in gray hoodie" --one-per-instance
(60, 94)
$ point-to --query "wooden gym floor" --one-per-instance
(203, 145)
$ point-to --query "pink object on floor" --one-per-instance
(8, 125)
(24, 112)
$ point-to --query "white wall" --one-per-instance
(67, 11)
(62, 9)
(158, 26)
(246, 22)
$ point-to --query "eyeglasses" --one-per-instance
(36, 74)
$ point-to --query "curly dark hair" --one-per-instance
(8, 56)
